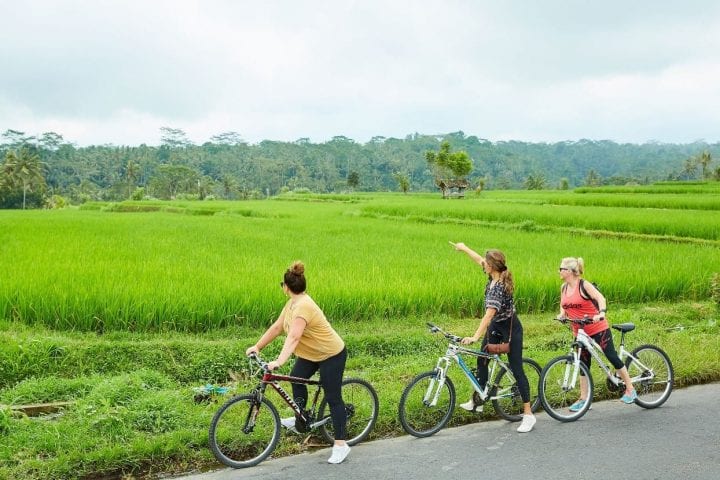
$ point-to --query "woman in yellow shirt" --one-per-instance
(317, 346)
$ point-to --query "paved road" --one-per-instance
(680, 440)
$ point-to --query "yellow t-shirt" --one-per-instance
(319, 341)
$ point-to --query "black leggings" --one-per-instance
(605, 340)
(496, 332)
(331, 375)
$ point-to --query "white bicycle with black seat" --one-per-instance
(649, 368)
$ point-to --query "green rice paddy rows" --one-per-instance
(695, 224)
(163, 270)
(602, 198)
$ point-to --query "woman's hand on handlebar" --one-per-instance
(468, 340)
(254, 349)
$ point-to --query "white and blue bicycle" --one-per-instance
(427, 402)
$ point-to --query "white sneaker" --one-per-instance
(471, 407)
(527, 424)
(339, 453)
(289, 423)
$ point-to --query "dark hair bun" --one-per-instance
(297, 268)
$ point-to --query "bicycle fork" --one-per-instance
(254, 409)
(437, 382)
(572, 369)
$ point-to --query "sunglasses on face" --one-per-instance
(563, 268)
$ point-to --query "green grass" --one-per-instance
(379, 255)
(667, 201)
(553, 213)
(124, 308)
(659, 187)
(137, 413)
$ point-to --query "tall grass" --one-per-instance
(103, 270)
(704, 224)
(703, 200)
(659, 187)
(134, 413)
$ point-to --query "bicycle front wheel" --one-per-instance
(244, 432)
(652, 375)
(425, 405)
(506, 398)
(361, 406)
(559, 398)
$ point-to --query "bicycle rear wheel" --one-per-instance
(653, 380)
(506, 397)
(362, 408)
(420, 415)
(557, 396)
(244, 432)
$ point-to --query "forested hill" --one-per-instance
(227, 167)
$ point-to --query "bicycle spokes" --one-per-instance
(418, 415)
(361, 409)
(244, 431)
(652, 375)
(560, 396)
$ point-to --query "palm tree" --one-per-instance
(593, 179)
(689, 168)
(132, 173)
(704, 161)
(23, 170)
(535, 182)
(229, 185)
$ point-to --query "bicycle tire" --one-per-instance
(416, 416)
(652, 392)
(556, 400)
(510, 405)
(229, 441)
(362, 408)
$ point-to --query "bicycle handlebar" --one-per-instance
(449, 336)
(586, 320)
(262, 363)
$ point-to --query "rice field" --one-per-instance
(197, 266)
(180, 289)
(630, 219)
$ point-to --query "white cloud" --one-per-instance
(116, 71)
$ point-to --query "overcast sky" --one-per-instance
(102, 72)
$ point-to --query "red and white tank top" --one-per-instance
(577, 307)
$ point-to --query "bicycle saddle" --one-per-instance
(624, 327)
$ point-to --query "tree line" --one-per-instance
(47, 170)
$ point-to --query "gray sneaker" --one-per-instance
(289, 423)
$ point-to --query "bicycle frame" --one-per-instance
(453, 353)
(273, 380)
(585, 341)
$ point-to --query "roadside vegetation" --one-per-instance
(134, 405)
(124, 310)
